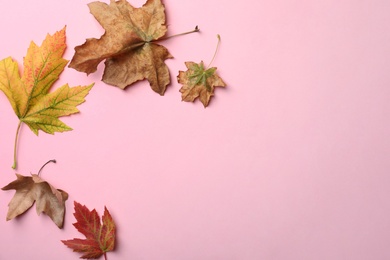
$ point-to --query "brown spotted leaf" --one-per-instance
(127, 45)
(32, 189)
(199, 82)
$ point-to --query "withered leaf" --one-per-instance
(48, 199)
(99, 237)
(127, 45)
(199, 82)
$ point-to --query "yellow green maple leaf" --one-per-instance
(29, 94)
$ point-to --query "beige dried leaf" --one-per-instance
(32, 189)
(128, 45)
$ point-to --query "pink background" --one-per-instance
(290, 161)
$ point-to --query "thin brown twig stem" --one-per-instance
(142, 43)
(53, 161)
(180, 34)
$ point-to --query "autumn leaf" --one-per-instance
(29, 94)
(199, 81)
(127, 45)
(49, 200)
(99, 237)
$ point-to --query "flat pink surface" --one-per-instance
(290, 161)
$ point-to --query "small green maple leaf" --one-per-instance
(198, 81)
(28, 94)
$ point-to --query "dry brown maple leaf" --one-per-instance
(48, 199)
(127, 45)
(198, 81)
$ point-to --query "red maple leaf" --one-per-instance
(100, 237)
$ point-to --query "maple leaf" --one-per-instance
(32, 189)
(28, 94)
(198, 81)
(100, 237)
(128, 45)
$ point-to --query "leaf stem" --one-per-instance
(180, 34)
(53, 161)
(216, 49)
(139, 44)
(105, 256)
(16, 145)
